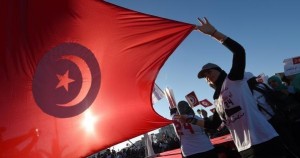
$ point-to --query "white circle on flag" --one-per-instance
(204, 103)
(192, 100)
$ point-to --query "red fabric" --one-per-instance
(176, 153)
(222, 139)
(65, 61)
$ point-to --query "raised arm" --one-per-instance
(239, 56)
(206, 28)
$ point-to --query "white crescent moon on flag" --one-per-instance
(86, 79)
(192, 100)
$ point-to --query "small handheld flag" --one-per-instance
(192, 99)
(205, 103)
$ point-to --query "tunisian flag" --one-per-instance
(192, 99)
(77, 75)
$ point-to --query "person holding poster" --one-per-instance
(252, 134)
(194, 141)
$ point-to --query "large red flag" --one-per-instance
(77, 75)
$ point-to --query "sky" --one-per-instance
(268, 30)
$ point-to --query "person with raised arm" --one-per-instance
(252, 134)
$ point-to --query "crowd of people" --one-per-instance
(131, 152)
(166, 143)
(237, 108)
(161, 144)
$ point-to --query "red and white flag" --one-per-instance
(192, 99)
(170, 96)
(76, 73)
(205, 103)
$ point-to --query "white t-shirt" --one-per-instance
(192, 137)
(237, 108)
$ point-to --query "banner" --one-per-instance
(291, 66)
(77, 75)
(192, 99)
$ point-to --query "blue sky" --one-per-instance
(268, 30)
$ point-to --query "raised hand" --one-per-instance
(205, 27)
